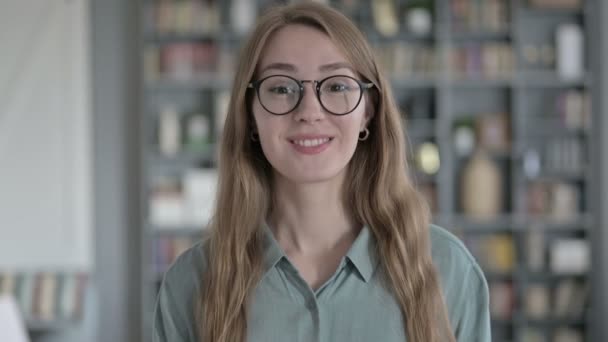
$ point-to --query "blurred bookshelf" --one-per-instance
(50, 301)
(497, 119)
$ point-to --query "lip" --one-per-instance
(310, 150)
(309, 137)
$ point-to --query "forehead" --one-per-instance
(305, 47)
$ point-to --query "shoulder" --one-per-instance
(449, 253)
(174, 317)
(464, 286)
(456, 267)
(189, 267)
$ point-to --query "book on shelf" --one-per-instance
(183, 61)
(182, 130)
(502, 299)
(537, 301)
(45, 299)
(536, 249)
(183, 200)
(476, 16)
(570, 299)
(554, 200)
(184, 17)
(25, 293)
(566, 334)
(568, 110)
(533, 334)
(8, 283)
(492, 60)
(489, 131)
(46, 296)
(493, 132)
(570, 256)
(574, 109)
(564, 155)
(494, 252)
(404, 60)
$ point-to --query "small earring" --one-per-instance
(254, 136)
(365, 135)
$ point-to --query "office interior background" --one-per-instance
(111, 111)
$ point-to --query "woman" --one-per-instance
(318, 233)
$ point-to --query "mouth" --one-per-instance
(311, 142)
(310, 145)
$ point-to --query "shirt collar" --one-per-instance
(362, 254)
(272, 251)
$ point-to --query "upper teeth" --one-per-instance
(311, 142)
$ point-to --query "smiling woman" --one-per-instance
(318, 233)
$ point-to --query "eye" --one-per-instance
(339, 85)
(336, 87)
(282, 90)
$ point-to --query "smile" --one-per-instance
(310, 142)
(310, 145)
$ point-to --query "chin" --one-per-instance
(314, 177)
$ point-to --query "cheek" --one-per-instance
(351, 125)
(269, 129)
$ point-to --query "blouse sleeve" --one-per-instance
(168, 322)
(174, 319)
(473, 323)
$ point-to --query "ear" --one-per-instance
(370, 110)
(253, 126)
(369, 114)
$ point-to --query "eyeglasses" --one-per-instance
(281, 94)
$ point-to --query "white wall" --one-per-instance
(45, 135)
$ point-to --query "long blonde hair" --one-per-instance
(385, 198)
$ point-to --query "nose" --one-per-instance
(309, 109)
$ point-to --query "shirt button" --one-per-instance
(311, 305)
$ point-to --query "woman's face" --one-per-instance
(308, 144)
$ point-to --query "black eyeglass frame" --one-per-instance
(362, 85)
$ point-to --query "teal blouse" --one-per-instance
(351, 306)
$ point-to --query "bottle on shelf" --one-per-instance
(482, 187)
(570, 65)
(169, 132)
(242, 15)
(385, 17)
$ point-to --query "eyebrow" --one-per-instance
(293, 68)
(336, 66)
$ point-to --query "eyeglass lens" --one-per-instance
(337, 94)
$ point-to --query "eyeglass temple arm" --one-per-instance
(367, 85)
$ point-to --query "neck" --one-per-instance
(311, 218)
